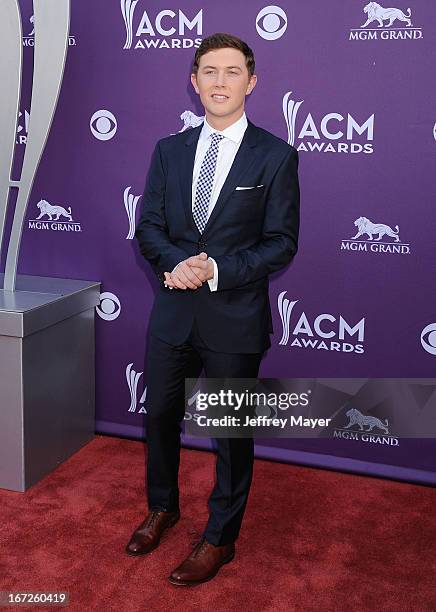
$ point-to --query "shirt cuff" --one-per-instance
(213, 282)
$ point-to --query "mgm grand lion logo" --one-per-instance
(51, 211)
(362, 420)
(190, 120)
(378, 13)
(365, 226)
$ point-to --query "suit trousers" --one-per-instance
(167, 366)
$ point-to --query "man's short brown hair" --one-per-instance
(221, 40)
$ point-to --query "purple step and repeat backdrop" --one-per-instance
(351, 86)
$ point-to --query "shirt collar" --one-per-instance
(234, 132)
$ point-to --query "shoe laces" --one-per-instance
(152, 518)
(200, 547)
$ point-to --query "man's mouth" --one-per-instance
(219, 97)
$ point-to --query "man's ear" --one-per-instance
(194, 82)
(251, 84)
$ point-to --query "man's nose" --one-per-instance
(220, 79)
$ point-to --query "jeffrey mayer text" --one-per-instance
(261, 421)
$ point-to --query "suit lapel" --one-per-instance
(186, 169)
(244, 159)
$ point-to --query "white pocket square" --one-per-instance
(254, 187)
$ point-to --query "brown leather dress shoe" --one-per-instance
(202, 564)
(147, 536)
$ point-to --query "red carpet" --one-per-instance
(311, 539)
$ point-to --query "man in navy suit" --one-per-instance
(220, 213)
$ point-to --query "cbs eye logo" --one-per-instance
(271, 22)
(110, 306)
(428, 338)
(103, 125)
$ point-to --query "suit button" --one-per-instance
(202, 245)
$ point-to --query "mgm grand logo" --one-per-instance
(375, 238)
(54, 217)
(386, 24)
(370, 429)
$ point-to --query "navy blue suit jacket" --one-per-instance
(250, 234)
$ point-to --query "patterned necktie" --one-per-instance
(205, 183)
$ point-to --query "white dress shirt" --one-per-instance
(226, 154)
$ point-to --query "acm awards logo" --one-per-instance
(54, 217)
(166, 29)
(325, 332)
(375, 238)
(385, 24)
(29, 40)
(370, 429)
(130, 204)
(133, 377)
(332, 133)
(137, 401)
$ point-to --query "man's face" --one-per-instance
(222, 81)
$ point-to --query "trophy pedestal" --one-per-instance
(47, 375)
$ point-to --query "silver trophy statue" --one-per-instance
(46, 324)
